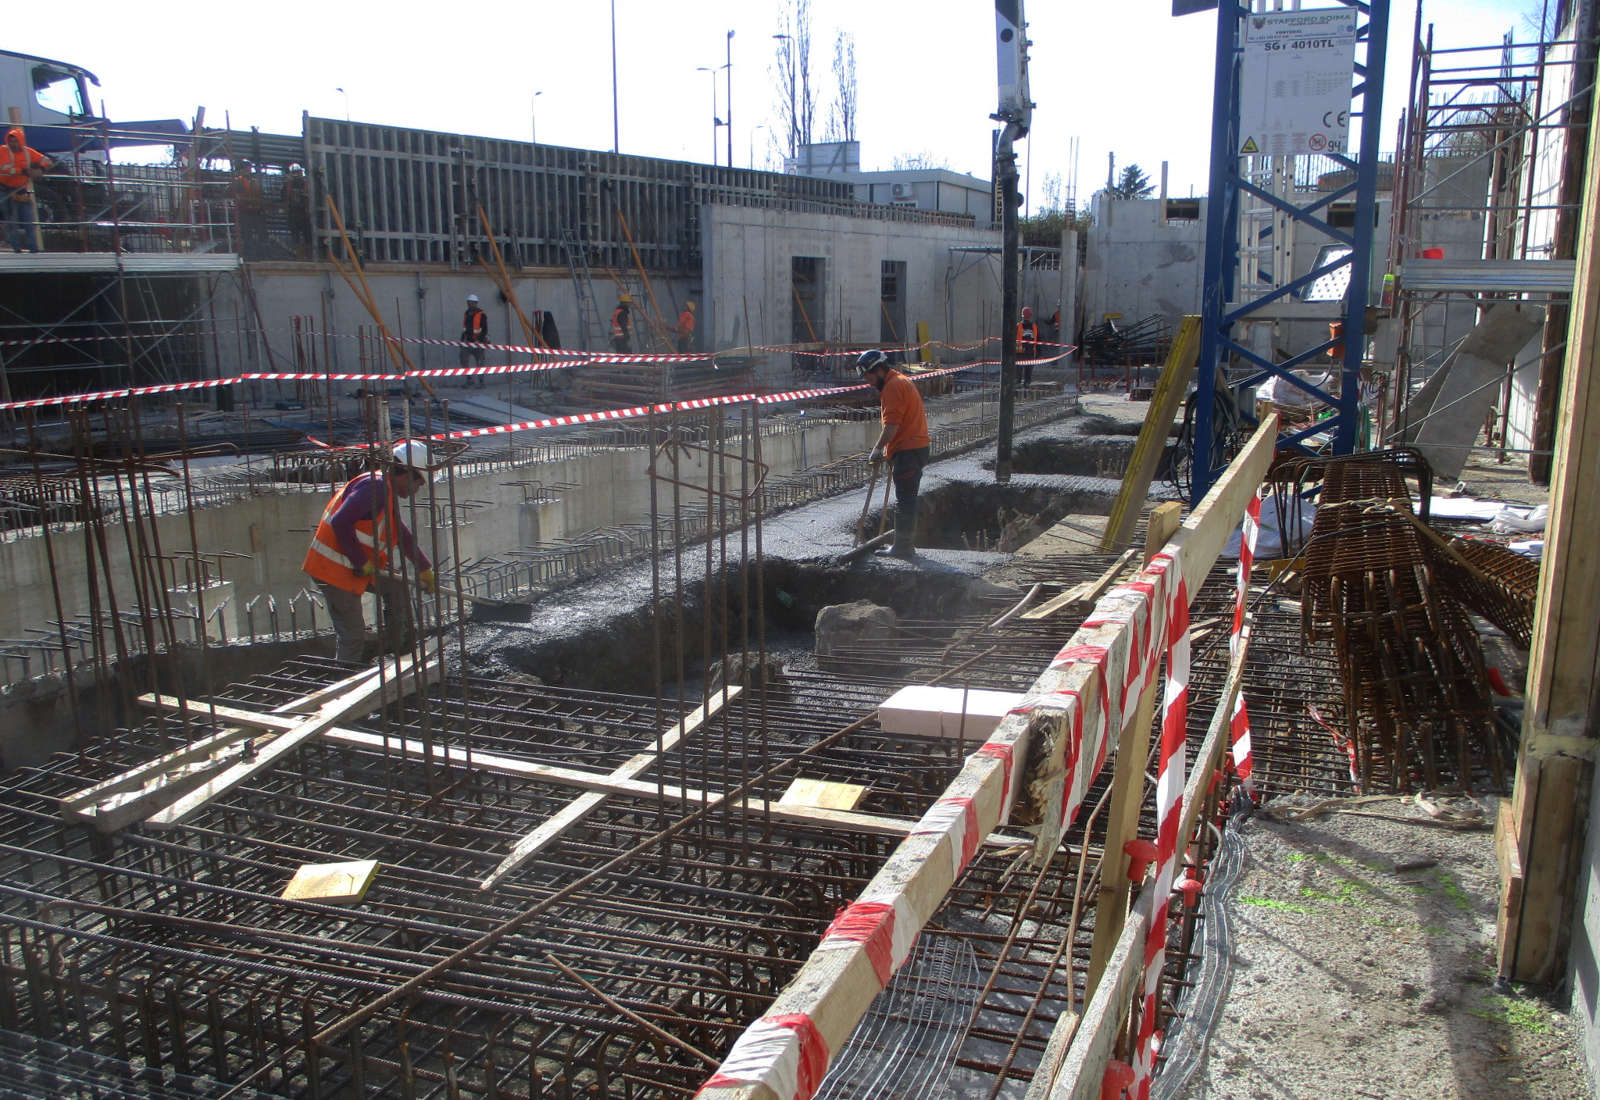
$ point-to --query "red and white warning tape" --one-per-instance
(785, 1052)
(116, 395)
(1239, 724)
(1173, 597)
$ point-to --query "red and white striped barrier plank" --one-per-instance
(1239, 754)
(1173, 599)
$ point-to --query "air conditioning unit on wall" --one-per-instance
(901, 191)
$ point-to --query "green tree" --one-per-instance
(1133, 184)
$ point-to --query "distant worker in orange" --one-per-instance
(20, 168)
(621, 325)
(686, 327)
(1027, 345)
(903, 441)
(474, 330)
(352, 550)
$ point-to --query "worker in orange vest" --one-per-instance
(1027, 345)
(352, 552)
(903, 441)
(20, 167)
(686, 327)
(474, 330)
(621, 330)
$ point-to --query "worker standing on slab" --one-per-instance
(20, 168)
(1027, 345)
(351, 552)
(903, 441)
(621, 330)
(474, 330)
(686, 327)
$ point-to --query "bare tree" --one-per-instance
(842, 121)
(797, 103)
(918, 161)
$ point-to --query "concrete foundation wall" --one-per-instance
(1137, 266)
(270, 532)
(416, 302)
(748, 257)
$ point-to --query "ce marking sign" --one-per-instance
(1335, 119)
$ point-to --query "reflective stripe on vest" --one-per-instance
(327, 562)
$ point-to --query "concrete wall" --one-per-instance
(416, 302)
(270, 532)
(1585, 954)
(748, 253)
(1137, 266)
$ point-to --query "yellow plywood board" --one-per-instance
(823, 793)
(332, 883)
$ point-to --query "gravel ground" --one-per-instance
(1352, 977)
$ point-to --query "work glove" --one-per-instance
(369, 568)
(429, 583)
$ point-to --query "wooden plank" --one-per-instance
(1086, 593)
(353, 699)
(118, 802)
(1510, 866)
(332, 883)
(1053, 1078)
(1152, 441)
(834, 988)
(1095, 1036)
(1127, 787)
(844, 820)
(1550, 799)
(1200, 539)
(824, 793)
(584, 805)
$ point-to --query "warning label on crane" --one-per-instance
(1295, 84)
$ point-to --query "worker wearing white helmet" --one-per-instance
(474, 330)
(352, 551)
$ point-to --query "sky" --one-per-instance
(1115, 76)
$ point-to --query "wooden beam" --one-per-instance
(130, 796)
(353, 699)
(1152, 441)
(1127, 786)
(821, 816)
(1080, 1046)
(1200, 539)
(580, 808)
(835, 987)
(1086, 593)
(1560, 734)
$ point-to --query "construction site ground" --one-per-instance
(1363, 963)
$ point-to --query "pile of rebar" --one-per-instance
(1388, 592)
(1114, 343)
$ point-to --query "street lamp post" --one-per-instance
(346, 95)
(533, 116)
(715, 121)
(729, 67)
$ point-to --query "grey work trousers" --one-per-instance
(350, 629)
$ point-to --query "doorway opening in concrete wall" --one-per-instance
(892, 303)
(810, 299)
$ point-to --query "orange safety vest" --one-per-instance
(686, 323)
(619, 322)
(1028, 333)
(326, 562)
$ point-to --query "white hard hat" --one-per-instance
(472, 297)
(413, 456)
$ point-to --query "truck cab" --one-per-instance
(49, 98)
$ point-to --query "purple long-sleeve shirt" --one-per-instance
(363, 500)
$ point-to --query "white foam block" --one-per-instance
(936, 711)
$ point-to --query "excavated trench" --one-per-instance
(618, 653)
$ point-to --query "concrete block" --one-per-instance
(936, 711)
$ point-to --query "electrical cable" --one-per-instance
(1200, 1006)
